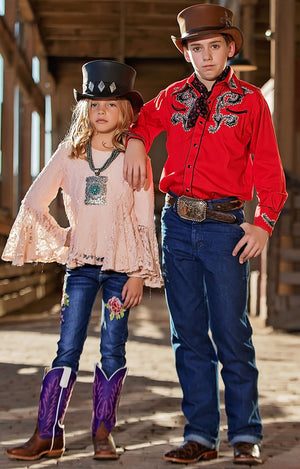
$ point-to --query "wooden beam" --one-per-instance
(26, 10)
(7, 46)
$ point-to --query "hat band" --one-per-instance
(192, 32)
(91, 87)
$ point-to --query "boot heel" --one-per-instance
(210, 455)
(54, 453)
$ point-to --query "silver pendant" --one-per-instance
(95, 190)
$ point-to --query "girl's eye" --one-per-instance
(112, 104)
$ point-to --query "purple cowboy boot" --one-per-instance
(106, 395)
(48, 438)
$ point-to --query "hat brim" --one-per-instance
(234, 32)
(133, 96)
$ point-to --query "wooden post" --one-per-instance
(283, 66)
(7, 186)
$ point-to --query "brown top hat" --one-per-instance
(204, 20)
(103, 79)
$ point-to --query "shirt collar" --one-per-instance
(231, 81)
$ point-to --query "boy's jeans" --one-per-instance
(81, 287)
(206, 289)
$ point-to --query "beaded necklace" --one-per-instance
(95, 189)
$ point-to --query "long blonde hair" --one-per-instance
(81, 130)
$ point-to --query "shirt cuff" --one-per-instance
(266, 218)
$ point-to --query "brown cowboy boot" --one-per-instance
(48, 438)
(106, 394)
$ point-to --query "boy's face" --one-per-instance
(208, 57)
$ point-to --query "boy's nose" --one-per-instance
(206, 55)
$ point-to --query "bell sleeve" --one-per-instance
(35, 235)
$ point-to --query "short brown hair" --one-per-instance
(227, 37)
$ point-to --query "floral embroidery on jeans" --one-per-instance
(65, 297)
(64, 301)
(115, 308)
(62, 315)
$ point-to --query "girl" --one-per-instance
(110, 244)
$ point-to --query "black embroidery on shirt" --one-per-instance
(187, 98)
(236, 112)
(232, 84)
(223, 101)
(269, 222)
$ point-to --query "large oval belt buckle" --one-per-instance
(191, 209)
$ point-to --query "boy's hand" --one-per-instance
(254, 240)
(132, 292)
(135, 164)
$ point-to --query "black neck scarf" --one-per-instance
(200, 107)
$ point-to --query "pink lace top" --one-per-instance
(119, 235)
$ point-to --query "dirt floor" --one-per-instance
(149, 419)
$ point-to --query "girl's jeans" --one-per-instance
(206, 291)
(81, 287)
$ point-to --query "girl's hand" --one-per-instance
(254, 240)
(132, 292)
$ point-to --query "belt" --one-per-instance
(197, 209)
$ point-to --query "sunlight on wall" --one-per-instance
(1, 101)
(48, 128)
(35, 144)
(16, 146)
(35, 69)
(2, 7)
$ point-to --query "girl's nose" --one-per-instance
(101, 108)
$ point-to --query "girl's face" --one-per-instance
(208, 57)
(104, 115)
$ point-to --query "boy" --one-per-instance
(220, 144)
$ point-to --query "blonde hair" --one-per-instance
(81, 130)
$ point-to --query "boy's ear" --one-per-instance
(186, 54)
(231, 50)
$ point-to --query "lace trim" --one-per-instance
(35, 237)
(139, 259)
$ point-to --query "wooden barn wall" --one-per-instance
(60, 76)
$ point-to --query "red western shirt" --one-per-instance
(225, 154)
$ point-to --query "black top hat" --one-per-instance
(199, 21)
(109, 79)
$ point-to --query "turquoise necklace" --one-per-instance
(95, 189)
